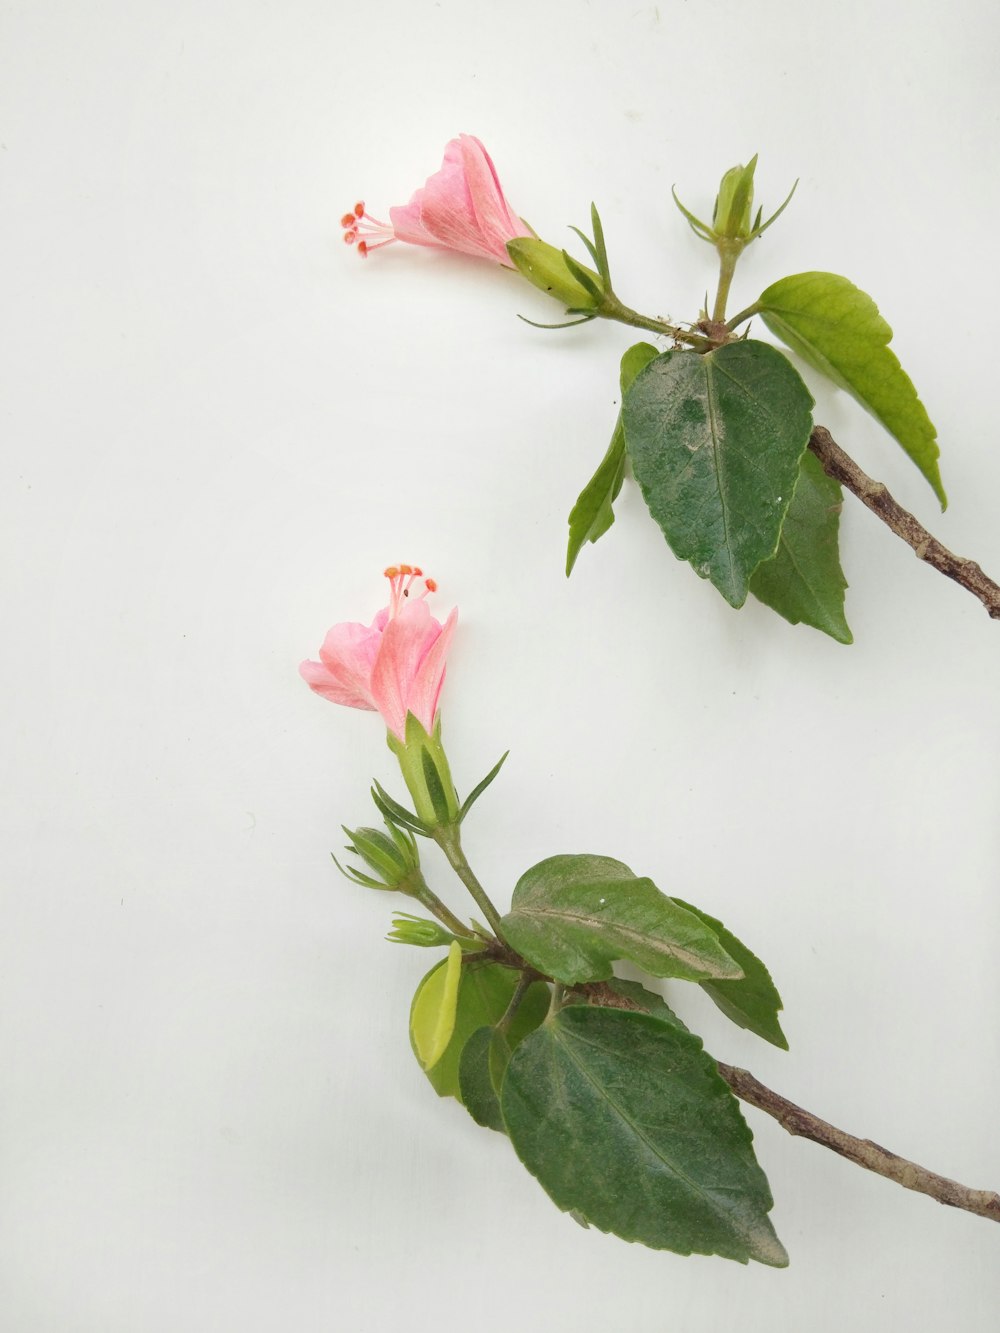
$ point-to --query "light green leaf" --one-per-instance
(484, 993)
(592, 514)
(715, 443)
(625, 1121)
(752, 1002)
(804, 581)
(432, 1017)
(571, 917)
(837, 328)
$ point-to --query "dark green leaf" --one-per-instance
(484, 994)
(635, 993)
(571, 917)
(804, 581)
(837, 328)
(625, 1120)
(715, 443)
(592, 514)
(476, 1079)
(752, 1002)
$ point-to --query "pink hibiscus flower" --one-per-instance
(462, 207)
(394, 666)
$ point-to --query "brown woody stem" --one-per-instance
(862, 1152)
(874, 495)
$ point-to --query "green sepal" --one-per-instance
(593, 514)
(424, 766)
(480, 787)
(556, 273)
(837, 329)
(396, 813)
(421, 932)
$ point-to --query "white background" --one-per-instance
(219, 425)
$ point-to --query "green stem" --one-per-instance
(449, 840)
(444, 914)
(612, 308)
(743, 316)
(729, 253)
(525, 980)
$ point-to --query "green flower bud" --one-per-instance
(734, 205)
(425, 770)
(556, 273)
(392, 857)
(418, 930)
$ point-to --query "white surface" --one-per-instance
(220, 425)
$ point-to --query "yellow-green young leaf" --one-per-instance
(803, 580)
(484, 993)
(625, 1121)
(837, 328)
(432, 1017)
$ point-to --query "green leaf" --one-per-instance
(752, 1002)
(481, 1069)
(571, 917)
(432, 1017)
(484, 994)
(592, 514)
(715, 442)
(649, 1001)
(837, 329)
(625, 1120)
(804, 581)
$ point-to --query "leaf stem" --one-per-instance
(443, 913)
(524, 981)
(743, 316)
(862, 1152)
(449, 840)
(874, 495)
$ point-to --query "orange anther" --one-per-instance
(359, 210)
(363, 249)
(417, 571)
(431, 585)
(392, 572)
(406, 569)
(348, 220)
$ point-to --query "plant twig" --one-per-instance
(876, 497)
(862, 1152)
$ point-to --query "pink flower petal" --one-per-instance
(320, 679)
(426, 687)
(462, 206)
(347, 656)
(407, 639)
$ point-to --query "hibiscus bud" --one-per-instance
(557, 273)
(734, 203)
(421, 931)
(425, 770)
(393, 858)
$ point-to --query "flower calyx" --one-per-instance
(391, 856)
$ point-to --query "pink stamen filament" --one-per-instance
(401, 580)
(367, 232)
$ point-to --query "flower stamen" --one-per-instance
(401, 580)
(364, 231)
